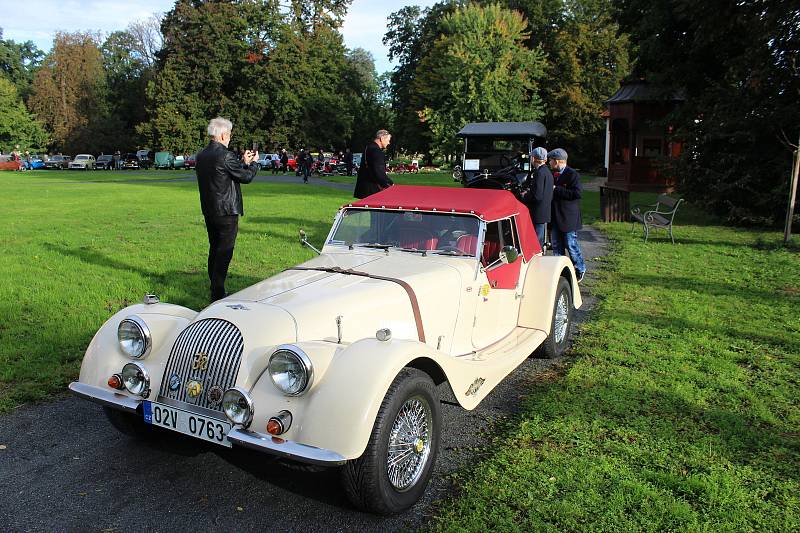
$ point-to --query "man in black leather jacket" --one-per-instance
(219, 175)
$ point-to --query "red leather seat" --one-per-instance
(418, 239)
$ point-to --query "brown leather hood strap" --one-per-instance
(410, 291)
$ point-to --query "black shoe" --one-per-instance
(580, 275)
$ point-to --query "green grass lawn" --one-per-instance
(679, 410)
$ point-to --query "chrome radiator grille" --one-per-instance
(207, 352)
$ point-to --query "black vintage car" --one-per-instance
(104, 162)
(497, 154)
(129, 161)
(58, 161)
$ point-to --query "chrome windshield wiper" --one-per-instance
(374, 245)
(415, 250)
(457, 253)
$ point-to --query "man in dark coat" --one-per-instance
(348, 161)
(540, 193)
(372, 176)
(284, 161)
(566, 210)
(219, 175)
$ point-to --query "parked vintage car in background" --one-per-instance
(145, 158)
(37, 162)
(164, 160)
(497, 154)
(190, 161)
(178, 162)
(129, 162)
(266, 161)
(104, 162)
(336, 362)
(58, 162)
(82, 162)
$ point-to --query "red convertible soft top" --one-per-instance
(487, 204)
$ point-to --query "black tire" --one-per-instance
(552, 347)
(366, 480)
(130, 424)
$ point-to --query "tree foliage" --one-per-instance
(69, 95)
(18, 128)
(737, 64)
(18, 63)
(478, 70)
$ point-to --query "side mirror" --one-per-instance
(304, 241)
(508, 255)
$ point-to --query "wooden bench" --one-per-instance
(660, 215)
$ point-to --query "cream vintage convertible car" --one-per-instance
(336, 362)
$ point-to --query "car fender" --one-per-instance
(539, 290)
(104, 356)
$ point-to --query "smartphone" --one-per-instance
(255, 146)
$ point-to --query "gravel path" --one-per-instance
(63, 467)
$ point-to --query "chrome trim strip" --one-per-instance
(285, 448)
(196, 409)
(105, 397)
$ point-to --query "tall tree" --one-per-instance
(411, 33)
(18, 128)
(479, 69)
(18, 63)
(69, 94)
(737, 64)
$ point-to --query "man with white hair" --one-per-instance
(219, 175)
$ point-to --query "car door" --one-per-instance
(497, 298)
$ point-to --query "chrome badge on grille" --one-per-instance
(174, 382)
(214, 395)
(200, 361)
(194, 388)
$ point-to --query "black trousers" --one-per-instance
(222, 232)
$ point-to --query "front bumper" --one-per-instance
(253, 440)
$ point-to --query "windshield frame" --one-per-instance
(374, 247)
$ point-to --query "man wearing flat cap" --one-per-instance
(539, 195)
(566, 219)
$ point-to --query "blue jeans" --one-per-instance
(540, 233)
(568, 239)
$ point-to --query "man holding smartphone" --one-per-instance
(219, 176)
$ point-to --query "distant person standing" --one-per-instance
(117, 157)
(308, 160)
(539, 196)
(348, 161)
(284, 161)
(372, 176)
(219, 175)
(566, 210)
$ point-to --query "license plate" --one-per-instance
(202, 427)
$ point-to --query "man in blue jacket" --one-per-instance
(539, 196)
(566, 215)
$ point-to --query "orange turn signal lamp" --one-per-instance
(115, 382)
(279, 424)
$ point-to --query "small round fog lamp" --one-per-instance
(383, 335)
(238, 406)
(136, 380)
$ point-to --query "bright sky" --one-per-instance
(38, 20)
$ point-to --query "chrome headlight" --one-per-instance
(134, 337)
(136, 379)
(290, 369)
(238, 406)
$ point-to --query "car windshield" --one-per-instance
(57, 158)
(105, 158)
(82, 157)
(490, 145)
(442, 233)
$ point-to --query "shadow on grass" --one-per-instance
(192, 287)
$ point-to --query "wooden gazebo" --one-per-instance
(636, 142)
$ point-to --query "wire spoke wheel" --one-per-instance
(561, 318)
(409, 443)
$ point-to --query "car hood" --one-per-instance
(380, 295)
